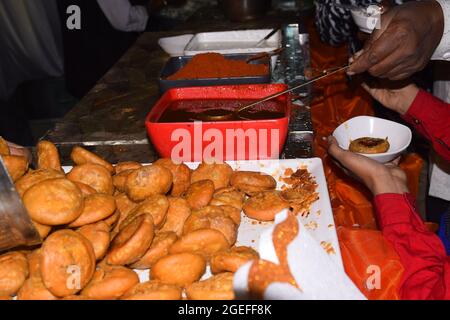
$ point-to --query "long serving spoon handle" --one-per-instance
(267, 37)
(327, 73)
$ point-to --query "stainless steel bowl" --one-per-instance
(244, 10)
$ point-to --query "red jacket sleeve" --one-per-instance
(427, 267)
(431, 117)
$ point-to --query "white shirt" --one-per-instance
(440, 174)
(123, 16)
(443, 50)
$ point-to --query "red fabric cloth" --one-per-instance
(431, 117)
(426, 266)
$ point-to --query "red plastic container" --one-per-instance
(224, 140)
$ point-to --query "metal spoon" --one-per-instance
(220, 115)
(265, 55)
(267, 37)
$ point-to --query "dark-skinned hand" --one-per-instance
(408, 37)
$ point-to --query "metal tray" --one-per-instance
(176, 63)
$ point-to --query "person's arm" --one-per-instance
(408, 37)
(427, 268)
(123, 16)
(431, 117)
(443, 50)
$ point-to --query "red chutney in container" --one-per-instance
(215, 65)
(192, 110)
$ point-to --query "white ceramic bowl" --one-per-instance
(175, 45)
(399, 136)
(364, 21)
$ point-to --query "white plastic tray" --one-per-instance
(175, 45)
(320, 221)
(243, 41)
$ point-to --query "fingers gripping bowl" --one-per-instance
(398, 135)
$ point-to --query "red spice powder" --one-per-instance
(215, 65)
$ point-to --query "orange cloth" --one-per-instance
(361, 243)
(412, 165)
(368, 258)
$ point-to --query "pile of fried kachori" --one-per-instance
(100, 223)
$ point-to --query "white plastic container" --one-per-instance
(243, 41)
(399, 136)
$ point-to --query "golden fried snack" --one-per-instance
(34, 263)
(159, 248)
(179, 269)
(369, 145)
(34, 289)
(127, 165)
(17, 166)
(233, 213)
(200, 194)
(218, 173)
(85, 189)
(76, 297)
(124, 206)
(54, 202)
(231, 260)
(154, 290)
(181, 176)
(213, 218)
(252, 182)
(82, 156)
(48, 156)
(132, 241)
(94, 175)
(35, 176)
(177, 214)
(4, 148)
(13, 272)
(228, 197)
(264, 206)
(67, 262)
(112, 220)
(96, 207)
(203, 241)
(156, 205)
(218, 287)
(120, 180)
(42, 229)
(99, 237)
(110, 282)
(148, 181)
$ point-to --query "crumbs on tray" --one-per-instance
(301, 190)
(312, 225)
(328, 247)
